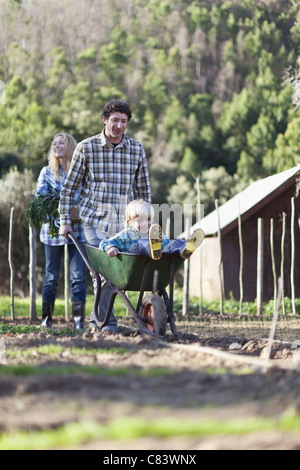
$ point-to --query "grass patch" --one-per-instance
(18, 329)
(22, 306)
(25, 370)
(73, 435)
(56, 349)
(230, 306)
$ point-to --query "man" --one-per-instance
(109, 166)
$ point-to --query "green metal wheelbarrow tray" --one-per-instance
(131, 272)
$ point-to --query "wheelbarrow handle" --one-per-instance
(82, 253)
(97, 277)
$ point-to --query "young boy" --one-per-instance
(142, 237)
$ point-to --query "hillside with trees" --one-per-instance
(205, 80)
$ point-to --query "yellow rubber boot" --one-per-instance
(155, 237)
(193, 243)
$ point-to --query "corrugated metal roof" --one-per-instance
(244, 201)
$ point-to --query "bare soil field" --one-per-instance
(215, 371)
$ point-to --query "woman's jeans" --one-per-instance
(94, 237)
(54, 255)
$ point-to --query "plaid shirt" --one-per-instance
(108, 175)
(125, 239)
(48, 179)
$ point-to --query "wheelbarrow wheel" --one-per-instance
(154, 314)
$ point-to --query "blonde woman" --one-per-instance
(52, 178)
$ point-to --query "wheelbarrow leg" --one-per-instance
(143, 284)
(103, 323)
(134, 313)
(96, 276)
(171, 317)
(102, 318)
(171, 313)
(169, 300)
(97, 296)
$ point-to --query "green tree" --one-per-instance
(182, 192)
(236, 118)
(113, 58)
(36, 134)
(19, 199)
(190, 162)
(259, 139)
(86, 66)
(16, 190)
(163, 175)
(200, 105)
(26, 128)
(217, 183)
(60, 73)
(286, 153)
(19, 61)
(217, 66)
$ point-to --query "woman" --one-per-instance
(52, 178)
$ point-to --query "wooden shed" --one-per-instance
(265, 200)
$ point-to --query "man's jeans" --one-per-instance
(94, 237)
(53, 256)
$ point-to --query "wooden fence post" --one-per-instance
(200, 281)
(197, 179)
(282, 259)
(293, 255)
(260, 265)
(274, 323)
(273, 260)
(185, 305)
(11, 263)
(66, 282)
(32, 274)
(241, 258)
(221, 260)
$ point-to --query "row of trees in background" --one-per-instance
(204, 79)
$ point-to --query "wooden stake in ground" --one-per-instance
(197, 178)
(260, 258)
(185, 305)
(11, 264)
(221, 259)
(32, 273)
(274, 323)
(293, 255)
(66, 283)
(273, 260)
(282, 259)
(241, 259)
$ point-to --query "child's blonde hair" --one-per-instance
(139, 208)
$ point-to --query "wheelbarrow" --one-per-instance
(140, 273)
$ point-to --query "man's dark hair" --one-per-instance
(116, 106)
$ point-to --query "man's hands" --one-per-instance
(65, 229)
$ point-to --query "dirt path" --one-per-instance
(213, 372)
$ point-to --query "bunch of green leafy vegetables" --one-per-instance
(42, 209)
